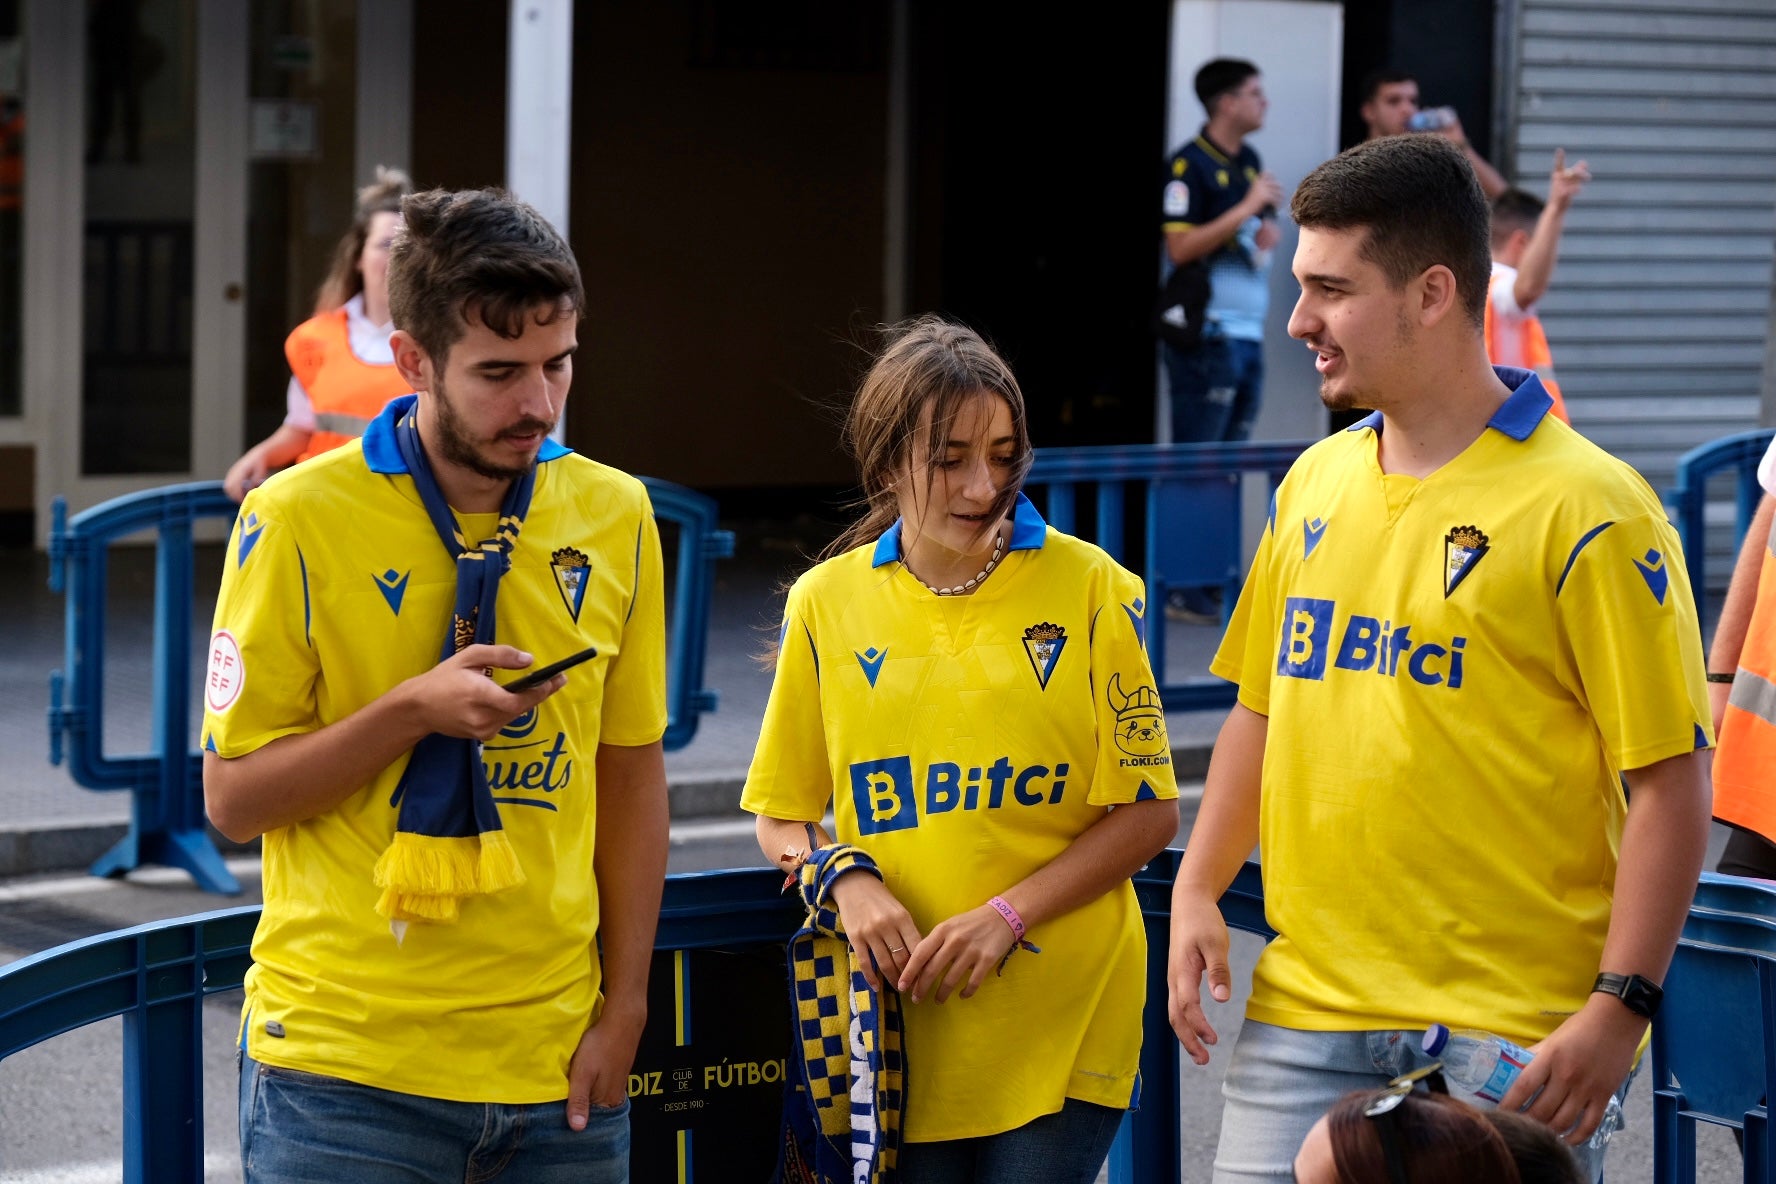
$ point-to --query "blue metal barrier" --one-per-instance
(167, 823)
(1685, 500)
(155, 976)
(1192, 508)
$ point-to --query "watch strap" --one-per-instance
(1640, 995)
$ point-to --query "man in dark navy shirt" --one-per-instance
(1219, 206)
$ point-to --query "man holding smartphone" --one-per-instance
(461, 878)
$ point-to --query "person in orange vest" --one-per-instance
(1742, 696)
(342, 369)
(1525, 241)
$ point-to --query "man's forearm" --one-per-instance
(296, 777)
(1742, 592)
(1226, 826)
(1663, 844)
(1184, 246)
(1492, 182)
(1536, 269)
(629, 863)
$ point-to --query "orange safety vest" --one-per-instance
(1745, 753)
(1535, 352)
(346, 393)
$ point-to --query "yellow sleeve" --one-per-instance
(1134, 753)
(1246, 653)
(635, 686)
(791, 774)
(259, 679)
(1631, 642)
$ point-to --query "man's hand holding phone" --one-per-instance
(537, 678)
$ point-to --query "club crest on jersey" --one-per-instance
(249, 538)
(1140, 723)
(393, 586)
(1044, 643)
(1311, 534)
(871, 660)
(572, 569)
(1463, 549)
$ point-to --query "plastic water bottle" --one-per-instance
(1486, 1065)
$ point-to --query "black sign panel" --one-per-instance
(706, 1095)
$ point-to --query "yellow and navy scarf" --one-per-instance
(449, 842)
(842, 1113)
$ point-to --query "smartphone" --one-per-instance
(537, 678)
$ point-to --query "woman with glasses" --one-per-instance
(967, 689)
(1401, 1135)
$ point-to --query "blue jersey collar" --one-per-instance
(1029, 531)
(383, 454)
(1517, 416)
(1529, 402)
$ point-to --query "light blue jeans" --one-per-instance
(1280, 1080)
(302, 1128)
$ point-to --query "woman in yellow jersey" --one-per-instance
(968, 690)
(342, 371)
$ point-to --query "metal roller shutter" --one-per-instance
(1662, 300)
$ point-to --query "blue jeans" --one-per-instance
(1280, 1080)
(1215, 390)
(302, 1128)
(1067, 1147)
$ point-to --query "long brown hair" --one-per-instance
(344, 280)
(925, 362)
(1441, 1138)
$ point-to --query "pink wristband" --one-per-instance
(1011, 916)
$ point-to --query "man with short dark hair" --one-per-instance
(1218, 211)
(1465, 624)
(1390, 100)
(462, 875)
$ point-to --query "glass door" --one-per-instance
(154, 394)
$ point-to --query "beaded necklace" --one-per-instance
(998, 550)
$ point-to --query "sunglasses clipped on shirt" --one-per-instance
(1382, 1106)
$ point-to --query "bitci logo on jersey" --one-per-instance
(887, 798)
(1366, 643)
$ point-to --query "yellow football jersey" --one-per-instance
(964, 742)
(336, 589)
(1455, 671)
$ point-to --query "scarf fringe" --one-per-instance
(423, 877)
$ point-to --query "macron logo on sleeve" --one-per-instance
(1652, 569)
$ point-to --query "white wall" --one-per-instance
(1298, 44)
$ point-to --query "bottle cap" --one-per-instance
(1435, 1037)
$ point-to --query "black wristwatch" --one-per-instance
(1639, 995)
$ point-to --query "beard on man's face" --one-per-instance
(459, 448)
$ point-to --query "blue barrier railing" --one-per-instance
(155, 977)
(1688, 495)
(167, 823)
(1188, 497)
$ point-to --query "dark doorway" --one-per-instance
(1037, 146)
